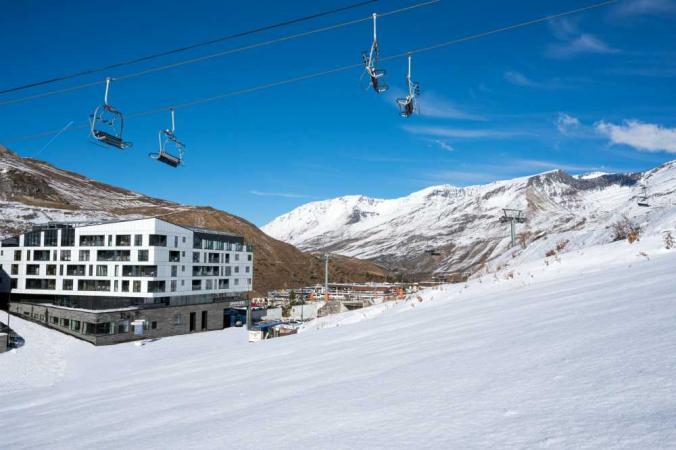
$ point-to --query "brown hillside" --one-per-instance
(36, 191)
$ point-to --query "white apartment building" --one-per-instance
(140, 269)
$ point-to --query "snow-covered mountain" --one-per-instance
(462, 225)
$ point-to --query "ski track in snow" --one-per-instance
(576, 353)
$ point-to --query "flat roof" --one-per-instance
(82, 224)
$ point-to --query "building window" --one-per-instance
(77, 270)
(173, 285)
(32, 269)
(139, 271)
(61, 269)
(227, 258)
(74, 325)
(67, 237)
(138, 240)
(174, 271)
(153, 325)
(178, 319)
(91, 270)
(157, 240)
(92, 240)
(174, 256)
(156, 286)
(123, 326)
(32, 239)
(195, 257)
(51, 238)
(110, 240)
(83, 255)
(196, 285)
(249, 281)
(125, 285)
(65, 255)
(143, 255)
(137, 286)
(236, 269)
(93, 285)
(67, 285)
(247, 269)
(51, 270)
(182, 282)
(113, 255)
(116, 286)
(17, 255)
(175, 241)
(40, 283)
(236, 281)
(248, 257)
(40, 255)
(123, 240)
(236, 256)
(209, 285)
(101, 271)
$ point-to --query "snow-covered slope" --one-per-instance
(579, 352)
(462, 224)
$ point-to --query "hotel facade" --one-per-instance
(114, 282)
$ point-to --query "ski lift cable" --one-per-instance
(188, 47)
(342, 68)
(215, 55)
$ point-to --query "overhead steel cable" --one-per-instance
(216, 55)
(345, 68)
(188, 47)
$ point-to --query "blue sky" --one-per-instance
(592, 92)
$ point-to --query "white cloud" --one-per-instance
(567, 124)
(278, 194)
(434, 106)
(642, 136)
(466, 133)
(644, 7)
(520, 79)
(574, 42)
(437, 107)
(442, 144)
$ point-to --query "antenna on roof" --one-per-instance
(513, 216)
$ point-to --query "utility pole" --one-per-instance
(326, 277)
(513, 216)
(9, 299)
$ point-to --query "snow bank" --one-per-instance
(576, 353)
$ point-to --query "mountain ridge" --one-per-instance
(462, 223)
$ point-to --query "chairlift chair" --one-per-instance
(167, 140)
(107, 124)
(370, 60)
(407, 105)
